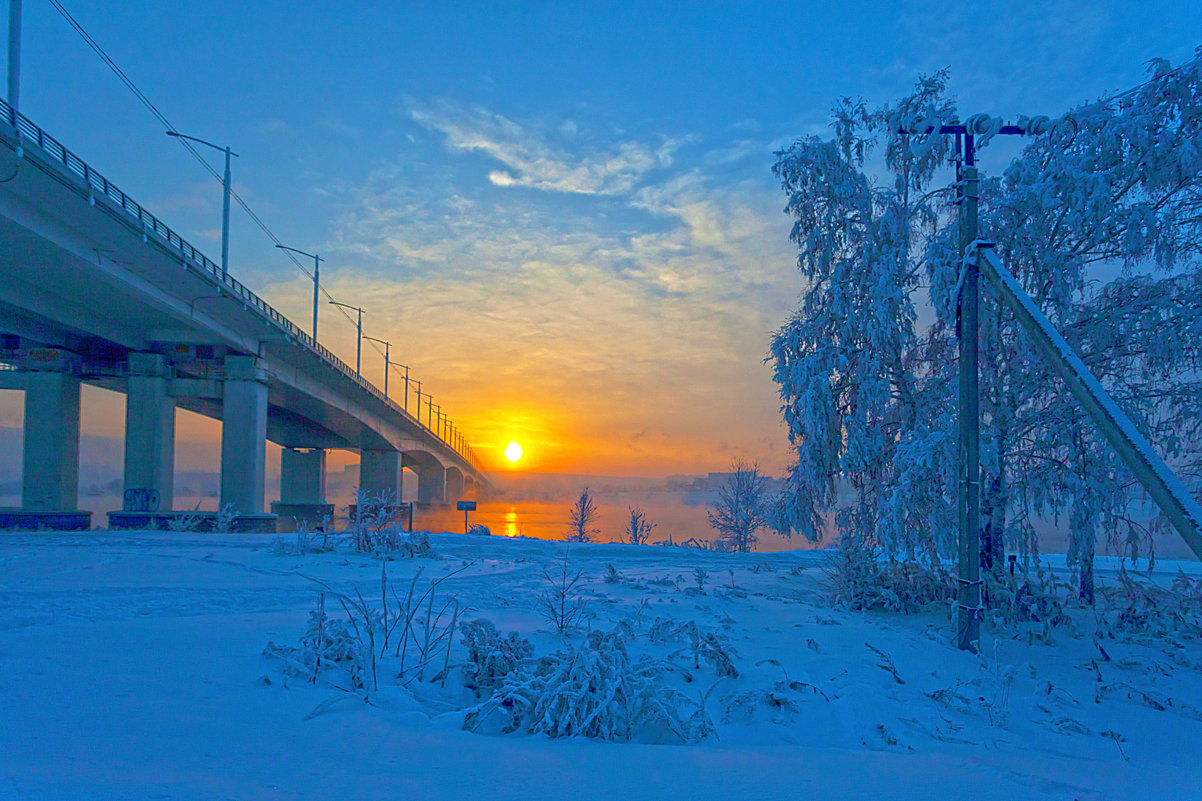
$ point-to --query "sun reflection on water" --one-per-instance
(511, 522)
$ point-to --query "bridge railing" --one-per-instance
(149, 225)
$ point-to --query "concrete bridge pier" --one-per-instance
(149, 434)
(454, 485)
(380, 473)
(244, 442)
(302, 489)
(50, 469)
(431, 485)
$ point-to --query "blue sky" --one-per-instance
(562, 214)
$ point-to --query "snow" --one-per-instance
(132, 666)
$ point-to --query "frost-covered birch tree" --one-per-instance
(1100, 219)
(741, 508)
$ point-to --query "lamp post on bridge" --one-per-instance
(225, 205)
(14, 61)
(418, 416)
(358, 339)
(387, 361)
(398, 364)
(316, 282)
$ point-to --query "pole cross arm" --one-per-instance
(1168, 492)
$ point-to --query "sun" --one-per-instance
(513, 451)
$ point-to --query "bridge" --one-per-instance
(95, 289)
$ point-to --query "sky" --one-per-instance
(561, 215)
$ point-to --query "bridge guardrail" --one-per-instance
(149, 224)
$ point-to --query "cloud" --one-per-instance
(615, 331)
(533, 160)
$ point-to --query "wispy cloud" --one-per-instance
(530, 157)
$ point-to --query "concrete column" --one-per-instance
(303, 476)
(431, 485)
(380, 471)
(149, 430)
(243, 435)
(454, 489)
(50, 478)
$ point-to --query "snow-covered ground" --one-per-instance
(132, 666)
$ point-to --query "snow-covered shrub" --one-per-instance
(1132, 608)
(307, 540)
(782, 701)
(491, 657)
(593, 690)
(988, 695)
(375, 527)
(226, 516)
(401, 639)
(560, 604)
(326, 644)
(704, 645)
(186, 521)
(1023, 598)
(478, 530)
(861, 579)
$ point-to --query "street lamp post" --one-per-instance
(14, 60)
(398, 364)
(418, 416)
(225, 206)
(316, 282)
(387, 361)
(358, 340)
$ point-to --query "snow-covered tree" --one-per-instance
(849, 361)
(741, 508)
(581, 518)
(1100, 221)
(639, 527)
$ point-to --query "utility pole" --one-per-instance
(968, 580)
(418, 417)
(968, 596)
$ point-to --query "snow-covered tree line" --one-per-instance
(1100, 220)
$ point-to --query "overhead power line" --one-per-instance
(168, 126)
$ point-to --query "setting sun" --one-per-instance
(513, 451)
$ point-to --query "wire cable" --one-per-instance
(166, 123)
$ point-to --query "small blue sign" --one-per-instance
(466, 506)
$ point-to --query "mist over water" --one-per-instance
(678, 519)
(680, 516)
